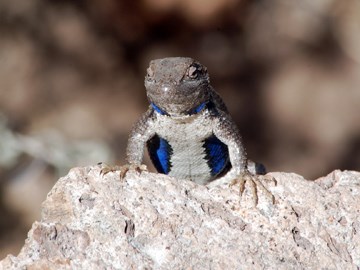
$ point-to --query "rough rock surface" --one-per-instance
(154, 221)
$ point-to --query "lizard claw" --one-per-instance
(132, 167)
(255, 182)
(107, 168)
(123, 169)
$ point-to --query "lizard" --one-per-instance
(188, 131)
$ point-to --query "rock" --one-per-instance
(154, 221)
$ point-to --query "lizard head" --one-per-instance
(177, 86)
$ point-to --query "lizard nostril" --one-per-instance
(166, 88)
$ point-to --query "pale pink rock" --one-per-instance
(154, 221)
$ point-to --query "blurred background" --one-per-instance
(71, 85)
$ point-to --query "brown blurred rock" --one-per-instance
(314, 112)
(154, 221)
(311, 92)
(347, 16)
(200, 12)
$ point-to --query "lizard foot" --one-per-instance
(255, 183)
(123, 169)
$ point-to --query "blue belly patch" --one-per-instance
(217, 155)
(160, 152)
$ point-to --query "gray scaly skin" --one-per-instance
(188, 130)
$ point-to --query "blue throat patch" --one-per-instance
(197, 109)
(156, 108)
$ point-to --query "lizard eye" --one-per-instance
(194, 71)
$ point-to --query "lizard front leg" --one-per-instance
(227, 132)
(140, 134)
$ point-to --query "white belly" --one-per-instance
(186, 138)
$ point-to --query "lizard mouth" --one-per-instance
(177, 113)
